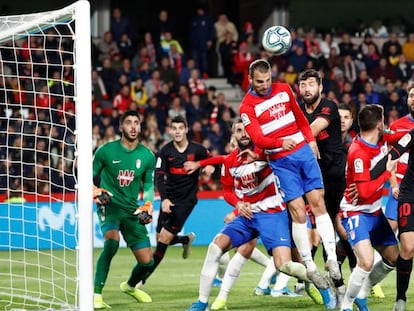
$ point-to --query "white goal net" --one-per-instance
(45, 160)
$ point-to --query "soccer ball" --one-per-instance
(277, 39)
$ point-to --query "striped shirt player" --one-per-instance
(403, 124)
(275, 123)
(362, 217)
(250, 187)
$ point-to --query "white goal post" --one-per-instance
(46, 211)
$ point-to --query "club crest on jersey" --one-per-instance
(138, 163)
(191, 157)
(245, 119)
(358, 166)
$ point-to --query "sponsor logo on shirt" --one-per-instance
(245, 119)
(358, 166)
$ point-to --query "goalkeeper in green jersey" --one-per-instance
(122, 169)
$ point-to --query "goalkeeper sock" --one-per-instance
(139, 272)
(179, 239)
(102, 265)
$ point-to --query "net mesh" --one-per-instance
(38, 213)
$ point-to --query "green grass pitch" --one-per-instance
(174, 286)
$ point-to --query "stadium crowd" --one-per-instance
(153, 74)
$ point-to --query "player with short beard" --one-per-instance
(250, 186)
(124, 168)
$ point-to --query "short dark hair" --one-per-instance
(179, 119)
(261, 65)
(310, 73)
(129, 113)
(345, 106)
(369, 116)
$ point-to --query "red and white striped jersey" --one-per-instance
(271, 119)
(403, 124)
(363, 156)
(251, 182)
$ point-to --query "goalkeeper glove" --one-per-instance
(144, 213)
(101, 196)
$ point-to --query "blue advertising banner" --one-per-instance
(45, 225)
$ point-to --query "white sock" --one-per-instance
(301, 239)
(209, 271)
(281, 281)
(377, 274)
(232, 273)
(224, 261)
(295, 269)
(355, 282)
(326, 231)
(258, 257)
(267, 274)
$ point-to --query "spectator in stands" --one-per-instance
(166, 42)
(176, 108)
(164, 97)
(327, 43)
(194, 110)
(349, 68)
(168, 75)
(225, 30)
(145, 72)
(371, 58)
(196, 84)
(152, 134)
(139, 94)
(394, 101)
(408, 48)
(360, 81)
(310, 41)
(366, 42)
(371, 95)
(202, 36)
(403, 69)
(241, 61)
(378, 29)
(153, 85)
(296, 41)
(108, 48)
(159, 113)
(383, 69)
(109, 77)
(110, 134)
(185, 73)
(165, 24)
(126, 46)
(176, 59)
(347, 47)
(128, 70)
(226, 49)
(195, 133)
(298, 59)
(392, 41)
(148, 52)
(184, 94)
(123, 99)
(215, 136)
(317, 58)
(120, 24)
(393, 55)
